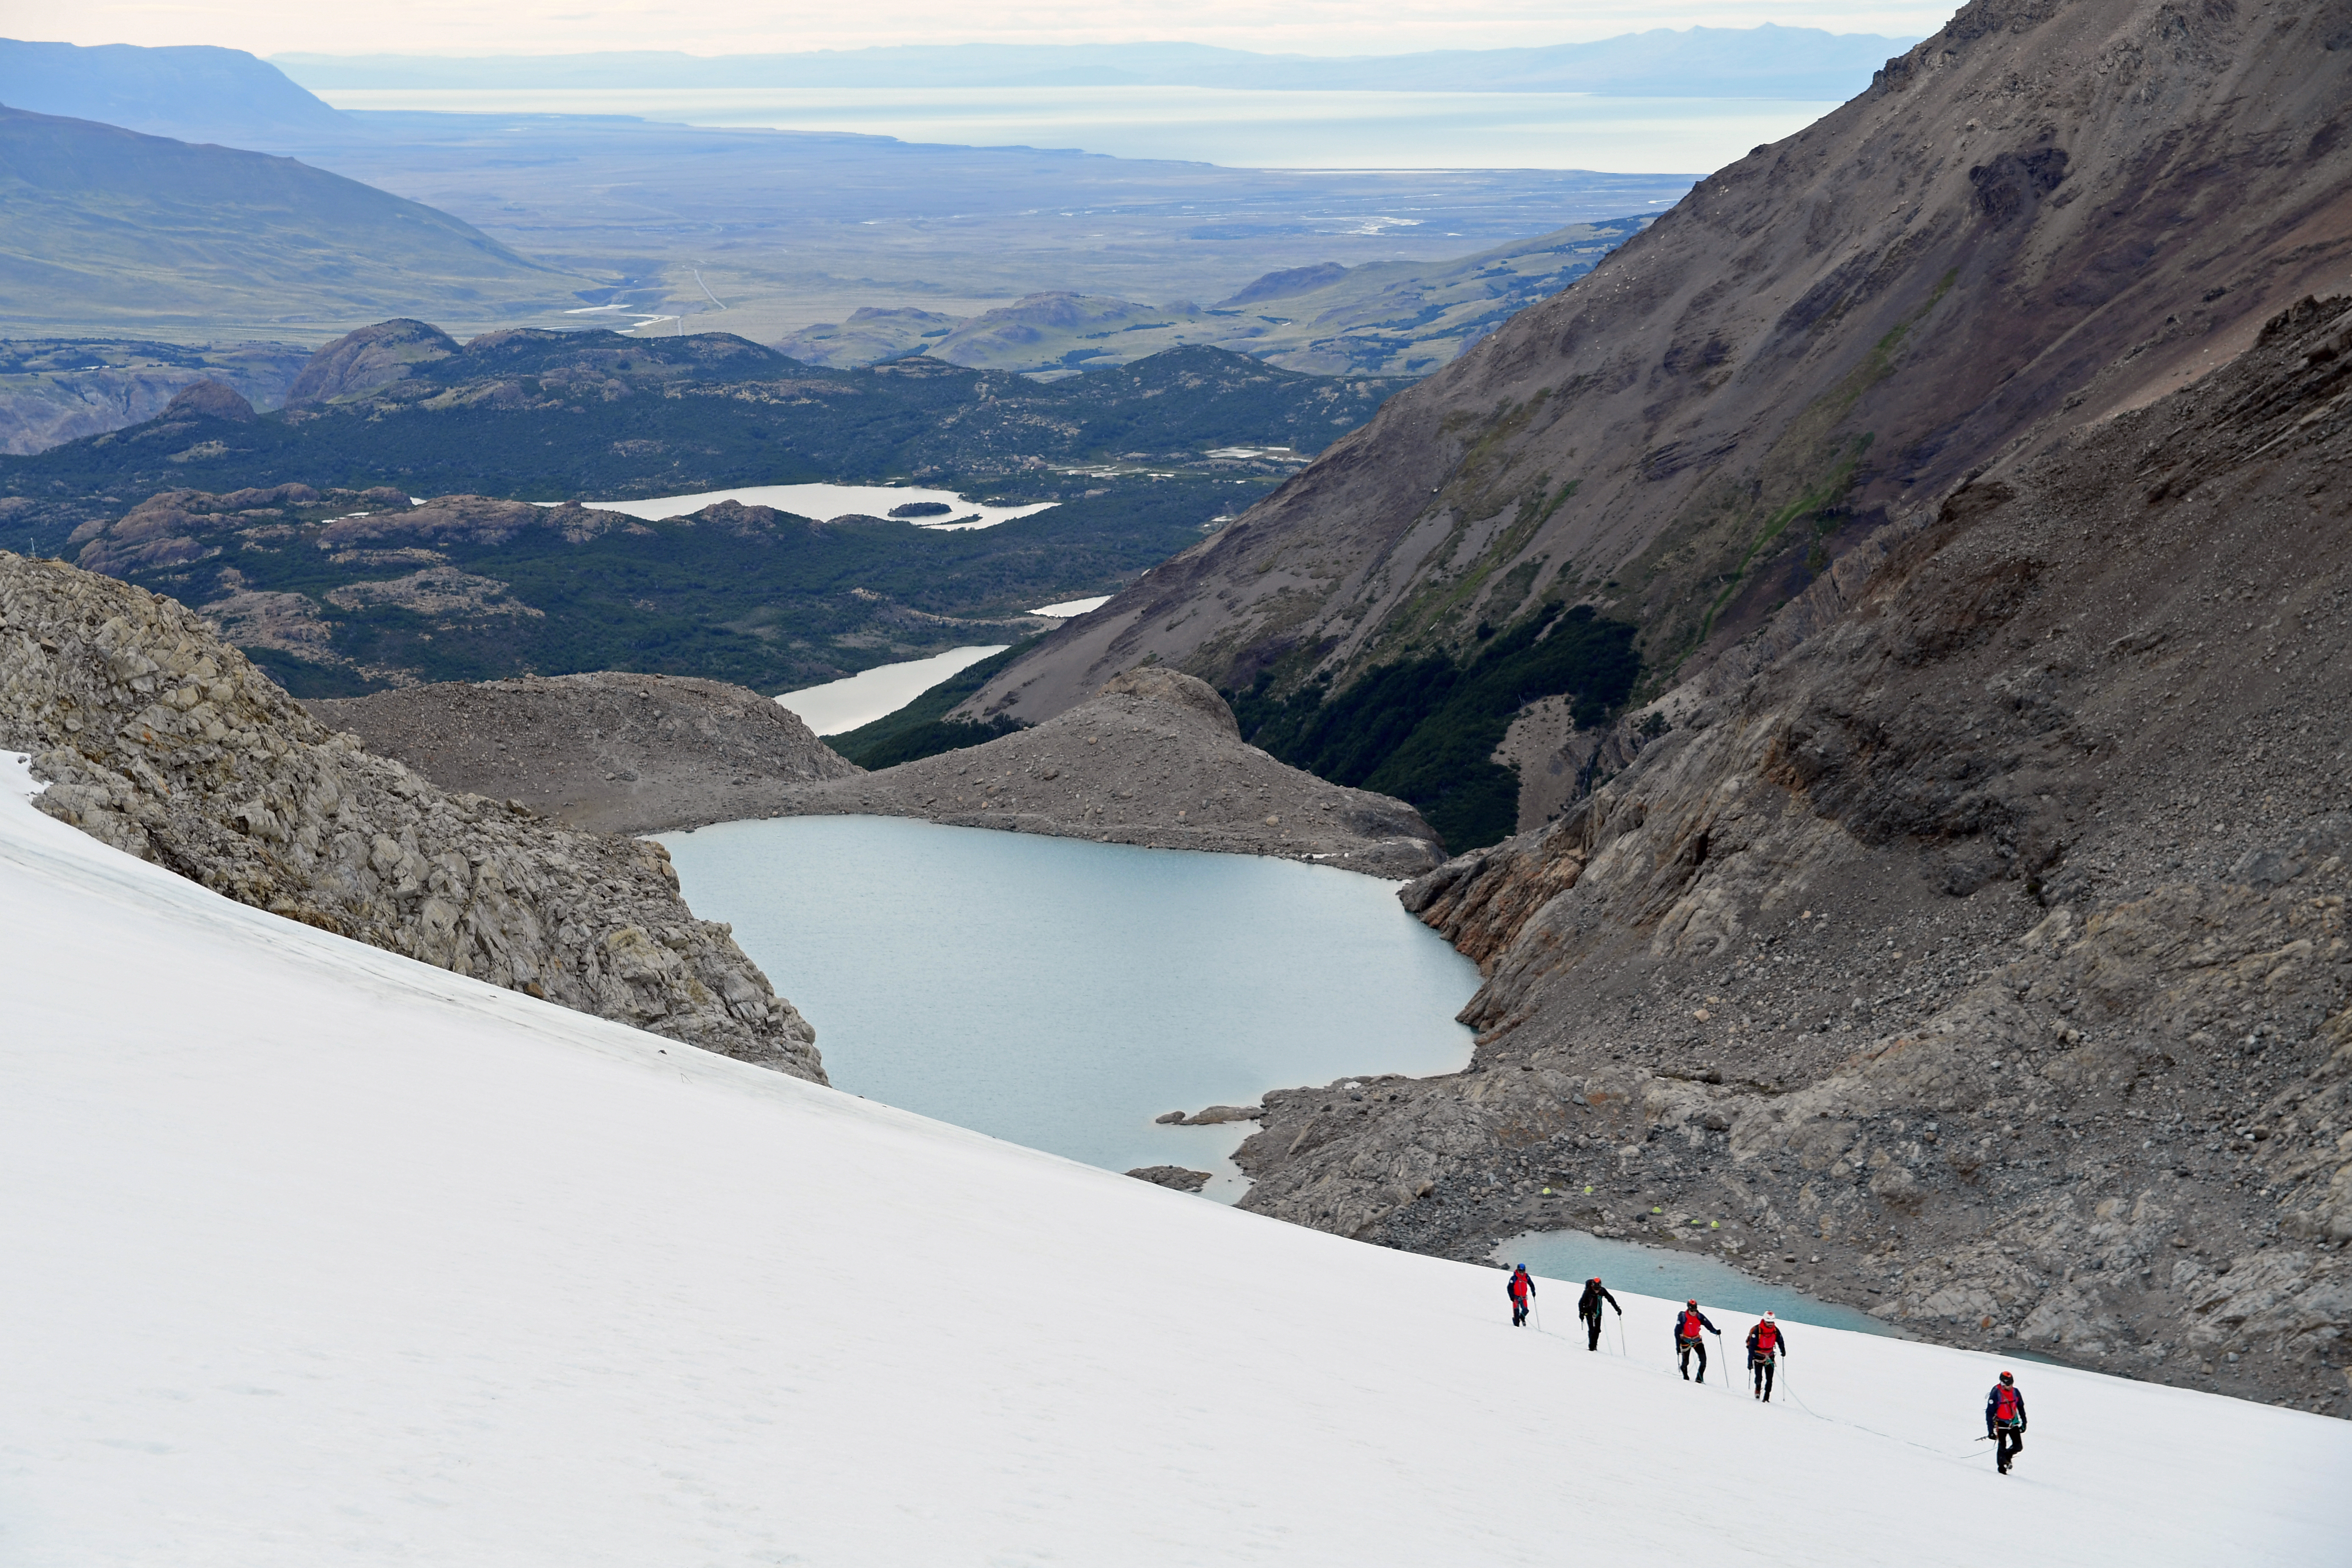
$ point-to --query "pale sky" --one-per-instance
(747, 27)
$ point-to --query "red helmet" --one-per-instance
(1692, 1302)
(2005, 1377)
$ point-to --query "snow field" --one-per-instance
(317, 1256)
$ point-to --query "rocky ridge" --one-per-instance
(2050, 210)
(1154, 758)
(157, 738)
(1972, 949)
(609, 752)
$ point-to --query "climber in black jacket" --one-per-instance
(1588, 1307)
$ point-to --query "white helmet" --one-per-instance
(1768, 1317)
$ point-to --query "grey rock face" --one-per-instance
(1979, 957)
(162, 740)
(610, 751)
(1155, 759)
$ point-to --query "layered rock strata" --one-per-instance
(1154, 758)
(1972, 947)
(159, 739)
(610, 752)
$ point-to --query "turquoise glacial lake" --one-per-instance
(1572, 1257)
(1061, 994)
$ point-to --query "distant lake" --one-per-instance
(1237, 129)
(839, 706)
(824, 502)
(1061, 994)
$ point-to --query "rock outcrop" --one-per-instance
(609, 752)
(210, 399)
(370, 358)
(1176, 1176)
(1972, 947)
(159, 739)
(1155, 759)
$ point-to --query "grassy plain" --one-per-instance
(112, 232)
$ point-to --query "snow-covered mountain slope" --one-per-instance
(317, 1256)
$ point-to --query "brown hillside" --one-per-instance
(2042, 214)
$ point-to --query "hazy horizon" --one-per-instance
(1310, 28)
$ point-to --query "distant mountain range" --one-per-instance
(115, 231)
(785, 228)
(1391, 318)
(194, 93)
(1802, 63)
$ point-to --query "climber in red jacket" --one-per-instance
(2005, 1421)
(1689, 1323)
(1768, 1341)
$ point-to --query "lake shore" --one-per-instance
(1155, 759)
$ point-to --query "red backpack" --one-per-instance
(1690, 1324)
(2005, 1402)
(1767, 1336)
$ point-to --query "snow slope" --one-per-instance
(315, 1256)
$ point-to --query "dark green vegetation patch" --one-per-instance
(1425, 730)
(248, 517)
(579, 415)
(341, 593)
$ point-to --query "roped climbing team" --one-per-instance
(1768, 1344)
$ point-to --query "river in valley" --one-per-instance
(1062, 994)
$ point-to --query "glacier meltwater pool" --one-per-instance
(1061, 994)
(1572, 1257)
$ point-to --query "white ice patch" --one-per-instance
(1068, 608)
